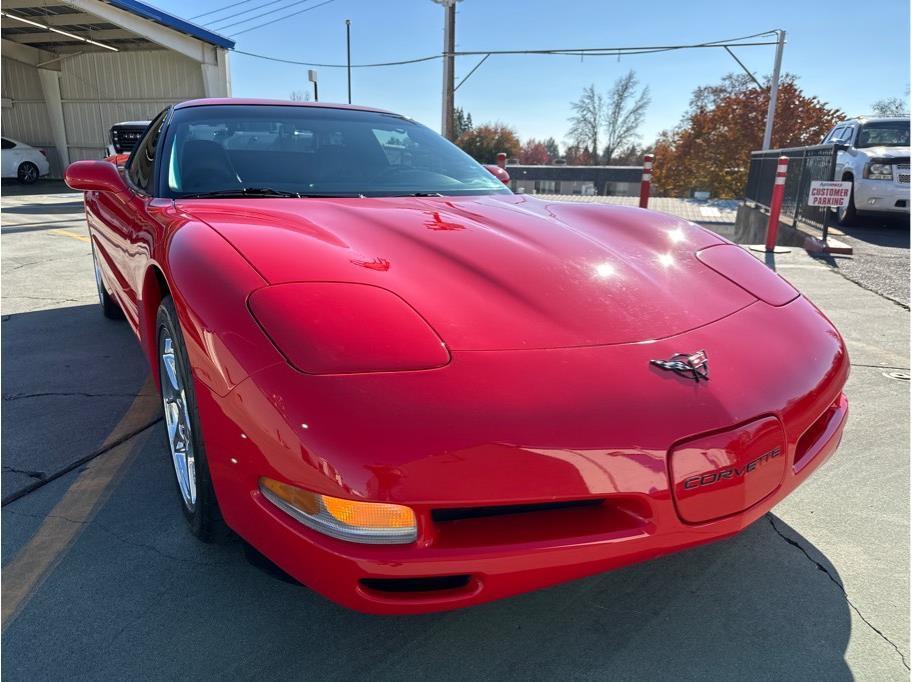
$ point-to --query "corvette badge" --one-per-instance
(691, 365)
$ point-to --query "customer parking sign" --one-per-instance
(829, 193)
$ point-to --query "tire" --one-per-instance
(109, 307)
(27, 173)
(184, 441)
(848, 215)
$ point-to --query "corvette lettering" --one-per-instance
(731, 472)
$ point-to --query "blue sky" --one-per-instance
(532, 93)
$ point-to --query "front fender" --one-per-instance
(210, 282)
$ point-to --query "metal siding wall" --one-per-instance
(100, 89)
(27, 119)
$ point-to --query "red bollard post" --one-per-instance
(646, 181)
(502, 159)
(772, 228)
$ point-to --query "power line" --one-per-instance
(339, 66)
(571, 52)
(287, 16)
(255, 16)
(220, 9)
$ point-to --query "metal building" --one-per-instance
(73, 68)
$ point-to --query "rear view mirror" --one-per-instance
(98, 176)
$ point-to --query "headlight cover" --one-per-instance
(879, 171)
(375, 523)
(345, 328)
(737, 265)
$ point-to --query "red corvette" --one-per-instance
(414, 390)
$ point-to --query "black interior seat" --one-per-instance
(206, 167)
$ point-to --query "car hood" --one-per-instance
(493, 272)
(886, 152)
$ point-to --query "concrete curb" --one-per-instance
(750, 228)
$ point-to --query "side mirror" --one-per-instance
(99, 176)
(498, 173)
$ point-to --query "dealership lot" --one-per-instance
(101, 578)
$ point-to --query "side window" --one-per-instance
(7, 144)
(142, 160)
(848, 134)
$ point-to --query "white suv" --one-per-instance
(876, 163)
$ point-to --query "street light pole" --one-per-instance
(312, 77)
(348, 51)
(774, 92)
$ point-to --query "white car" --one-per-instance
(876, 163)
(21, 161)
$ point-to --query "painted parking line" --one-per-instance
(69, 517)
(71, 235)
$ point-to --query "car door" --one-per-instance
(117, 218)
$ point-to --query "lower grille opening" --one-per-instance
(901, 203)
(432, 584)
(545, 522)
(443, 515)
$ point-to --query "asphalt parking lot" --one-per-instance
(880, 261)
(102, 580)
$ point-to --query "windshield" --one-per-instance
(274, 150)
(884, 133)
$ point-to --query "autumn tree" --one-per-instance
(625, 110)
(575, 155)
(587, 120)
(710, 149)
(484, 142)
(534, 153)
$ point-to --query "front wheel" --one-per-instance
(847, 215)
(185, 443)
(27, 173)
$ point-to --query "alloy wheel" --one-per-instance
(177, 419)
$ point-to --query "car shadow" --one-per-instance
(890, 232)
(134, 594)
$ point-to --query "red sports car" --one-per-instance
(414, 390)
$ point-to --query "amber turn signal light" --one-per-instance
(352, 520)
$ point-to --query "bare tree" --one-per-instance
(299, 96)
(624, 114)
(894, 106)
(587, 121)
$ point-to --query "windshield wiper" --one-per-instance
(421, 194)
(244, 192)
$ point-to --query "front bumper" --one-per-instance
(519, 428)
(881, 196)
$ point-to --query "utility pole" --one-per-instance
(449, 66)
(348, 51)
(774, 91)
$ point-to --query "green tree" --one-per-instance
(483, 143)
(462, 122)
(553, 149)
